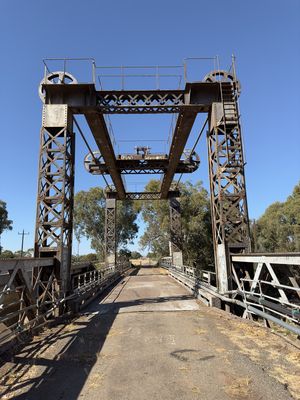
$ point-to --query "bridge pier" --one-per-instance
(54, 216)
(110, 228)
(175, 231)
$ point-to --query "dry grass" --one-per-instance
(240, 388)
(196, 389)
(278, 358)
(199, 331)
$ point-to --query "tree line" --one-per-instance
(277, 230)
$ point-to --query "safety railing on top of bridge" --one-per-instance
(23, 309)
(121, 77)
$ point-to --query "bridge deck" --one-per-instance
(149, 339)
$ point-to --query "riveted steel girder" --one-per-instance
(99, 129)
(182, 130)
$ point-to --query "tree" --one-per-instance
(135, 255)
(196, 224)
(7, 254)
(278, 229)
(89, 219)
(5, 223)
(156, 216)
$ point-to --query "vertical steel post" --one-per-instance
(175, 231)
(227, 183)
(53, 234)
(110, 229)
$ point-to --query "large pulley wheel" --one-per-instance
(90, 158)
(222, 76)
(57, 78)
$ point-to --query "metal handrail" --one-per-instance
(123, 68)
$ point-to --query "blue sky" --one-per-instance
(264, 36)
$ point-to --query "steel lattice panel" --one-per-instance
(140, 102)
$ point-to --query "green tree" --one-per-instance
(196, 224)
(5, 223)
(135, 255)
(7, 254)
(278, 229)
(89, 219)
(156, 216)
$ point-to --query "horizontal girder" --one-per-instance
(84, 99)
(143, 167)
(149, 195)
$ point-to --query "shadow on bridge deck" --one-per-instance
(147, 339)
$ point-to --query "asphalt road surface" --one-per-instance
(150, 339)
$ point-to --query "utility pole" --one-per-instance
(22, 243)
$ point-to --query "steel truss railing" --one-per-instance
(269, 286)
(24, 309)
(265, 285)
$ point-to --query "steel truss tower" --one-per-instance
(54, 217)
(175, 231)
(110, 228)
(227, 183)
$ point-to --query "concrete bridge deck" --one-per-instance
(150, 339)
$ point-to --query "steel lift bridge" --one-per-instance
(216, 95)
(47, 285)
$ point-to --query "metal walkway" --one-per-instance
(150, 339)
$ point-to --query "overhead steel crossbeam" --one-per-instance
(84, 98)
(132, 102)
(143, 167)
(149, 195)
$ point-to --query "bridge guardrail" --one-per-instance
(23, 309)
(265, 285)
(272, 292)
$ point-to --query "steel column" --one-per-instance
(227, 183)
(53, 235)
(175, 231)
(110, 229)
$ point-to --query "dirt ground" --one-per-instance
(150, 339)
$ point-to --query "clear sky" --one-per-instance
(263, 34)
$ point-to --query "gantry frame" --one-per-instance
(218, 98)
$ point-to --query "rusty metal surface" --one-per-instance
(175, 226)
(110, 228)
(99, 129)
(54, 217)
(216, 95)
(227, 182)
(156, 164)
